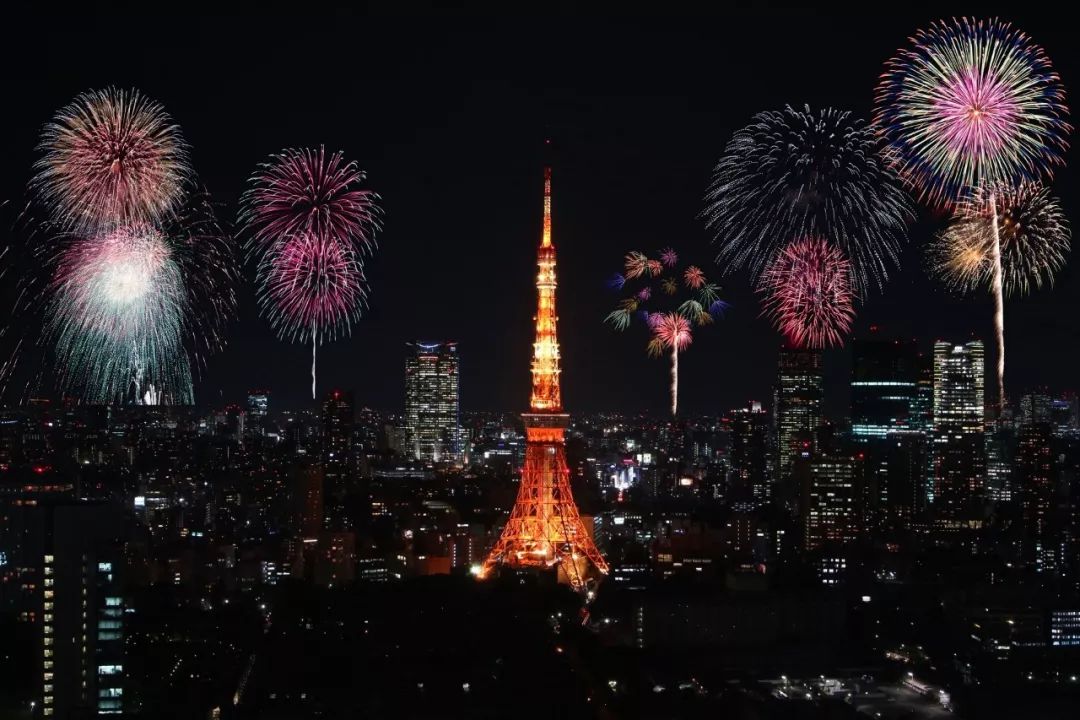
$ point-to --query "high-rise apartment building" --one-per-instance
(830, 504)
(82, 613)
(432, 403)
(959, 448)
(797, 404)
(1035, 477)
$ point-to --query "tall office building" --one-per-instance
(887, 421)
(432, 405)
(959, 448)
(338, 416)
(749, 454)
(797, 404)
(884, 387)
(82, 613)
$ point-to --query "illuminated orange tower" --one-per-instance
(544, 529)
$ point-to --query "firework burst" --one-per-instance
(807, 293)
(799, 173)
(973, 104)
(111, 158)
(672, 321)
(310, 227)
(134, 312)
(1034, 235)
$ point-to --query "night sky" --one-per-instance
(448, 114)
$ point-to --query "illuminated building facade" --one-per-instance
(797, 404)
(959, 448)
(82, 611)
(830, 503)
(544, 529)
(432, 402)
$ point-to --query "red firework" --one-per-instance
(808, 293)
(112, 157)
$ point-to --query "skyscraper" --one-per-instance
(887, 422)
(544, 529)
(749, 454)
(959, 448)
(797, 404)
(884, 387)
(338, 414)
(432, 407)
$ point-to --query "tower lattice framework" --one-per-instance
(544, 529)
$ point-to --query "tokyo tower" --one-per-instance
(544, 529)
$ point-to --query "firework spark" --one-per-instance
(973, 104)
(111, 158)
(799, 173)
(1034, 235)
(807, 293)
(310, 227)
(670, 325)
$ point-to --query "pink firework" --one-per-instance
(976, 113)
(808, 293)
(312, 283)
(644, 293)
(669, 257)
(112, 157)
(310, 226)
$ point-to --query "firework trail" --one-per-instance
(973, 104)
(672, 321)
(1034, 239)
(309, 228)
(806, 173)
(808, 294)
(110, 158)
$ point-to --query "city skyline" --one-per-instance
(598, 180)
